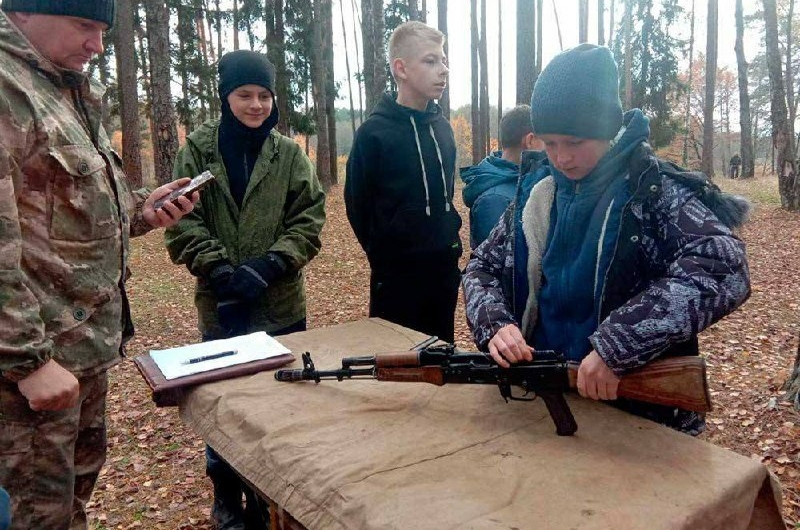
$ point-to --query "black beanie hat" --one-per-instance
(577, 94)
(244, 67)
(100, 10)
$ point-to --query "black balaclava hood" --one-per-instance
(239, 144)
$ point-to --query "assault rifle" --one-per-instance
(674, 381)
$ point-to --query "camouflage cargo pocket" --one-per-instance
(17, 423)
(15, 439)
(83, 201)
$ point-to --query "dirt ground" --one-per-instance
(154, 477)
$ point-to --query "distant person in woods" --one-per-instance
(399, 190)
(491, 184)
(735, 162)
(610, 255)
(66, 218)
(247, 241)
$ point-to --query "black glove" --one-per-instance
(219, 280)
(233, 315)
(251, 278)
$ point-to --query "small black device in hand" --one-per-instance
(196, 184)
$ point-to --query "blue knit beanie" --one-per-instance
(577, 94)
(100, 10)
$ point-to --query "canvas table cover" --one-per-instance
(363, 454)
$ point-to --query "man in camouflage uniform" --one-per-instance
(66, 216)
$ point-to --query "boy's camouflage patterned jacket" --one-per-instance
(677, 268)
(66, 215)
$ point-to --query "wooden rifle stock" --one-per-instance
(672, 381)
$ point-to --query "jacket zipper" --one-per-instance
(625, 209)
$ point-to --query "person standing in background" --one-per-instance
(255, 228)
(491, 184)
(399, 190)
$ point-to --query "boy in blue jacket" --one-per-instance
(399, 190)
(491, 184)
(610, 255)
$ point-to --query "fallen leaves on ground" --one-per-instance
(154, 477)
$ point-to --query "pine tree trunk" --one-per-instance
(204, 80)
(183, 33)
(500, 62)
(251, 38)
(611, 16)
(628, 28)
(318, 81)
(526, 50)
(484, 83)
(124, 48)
(347, 66)
(374, 56)
(330, 89)
(601, 29)
(746, 147)
(218, 13)
(235, 24)
(165, 141)
(792, 385)
(100, 62)
(358, 63)
(444, 101)
(711, 83)
(687, 121)
(782, 140)
(790, 99)
(538, 40)
(475, 115)
(583, 20)
(276, 52)
(558, 26)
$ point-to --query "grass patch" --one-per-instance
(763, 191)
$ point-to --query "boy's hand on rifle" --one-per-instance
(595, 378)
(508, 346)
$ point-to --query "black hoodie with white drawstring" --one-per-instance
(399, 189)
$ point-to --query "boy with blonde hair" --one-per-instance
(399, 190)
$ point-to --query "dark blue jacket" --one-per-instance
(490, 187)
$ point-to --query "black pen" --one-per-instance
(211, 357)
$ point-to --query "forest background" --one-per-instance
(716, 78)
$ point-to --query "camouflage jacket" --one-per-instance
(283, 211)
(66, 215)
(676, 269)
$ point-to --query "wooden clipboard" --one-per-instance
(167, 393)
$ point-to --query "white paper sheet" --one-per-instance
(174, 362)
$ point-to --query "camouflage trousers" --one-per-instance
(49, 461)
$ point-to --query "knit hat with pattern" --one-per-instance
(577, 94)
(100, 10)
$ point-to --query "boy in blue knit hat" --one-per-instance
(610, 255)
